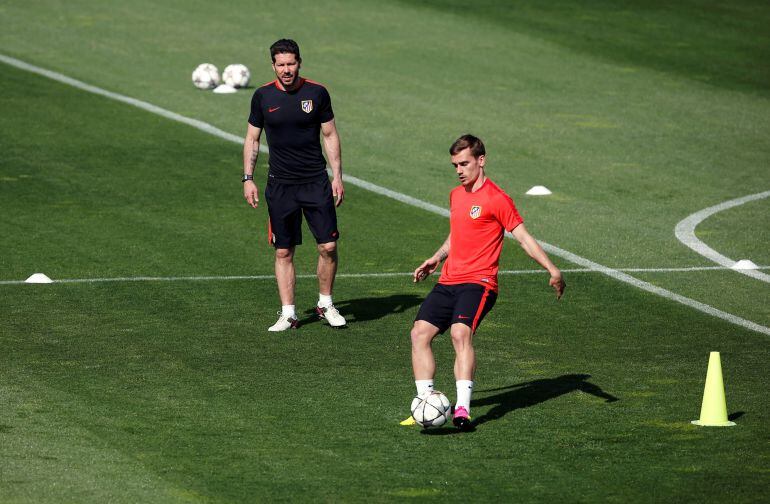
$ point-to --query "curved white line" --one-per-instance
(685, 233)
(582, 261)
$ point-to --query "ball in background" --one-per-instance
(432, 409)
(205, 76)
(236, 75)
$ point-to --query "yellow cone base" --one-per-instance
(710, 424)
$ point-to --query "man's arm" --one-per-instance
(536, 252)
(431, 264)
(250, 154)
(333, 150)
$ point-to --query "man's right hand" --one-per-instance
(425, 269)
(251, 193)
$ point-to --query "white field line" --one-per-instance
(685, 233)
(581, 261)
(205, 278)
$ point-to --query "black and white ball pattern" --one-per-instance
(236, 75)
(431, 410)
(205, 76)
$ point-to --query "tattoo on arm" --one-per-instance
(443, 252)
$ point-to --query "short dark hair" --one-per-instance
(285, 46)
(468, 141)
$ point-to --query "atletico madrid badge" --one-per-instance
(307, 106)
(475, 212)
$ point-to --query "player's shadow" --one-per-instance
(526, 394)
(371, 308)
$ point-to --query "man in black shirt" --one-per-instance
(293, 112)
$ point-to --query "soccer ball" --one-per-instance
(205, 76)
(236, 75)
(431, 410)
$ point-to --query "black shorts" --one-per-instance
(463, 303)
(286, 203)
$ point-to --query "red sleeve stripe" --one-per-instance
(314, 82)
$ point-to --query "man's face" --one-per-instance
(467, 167)
(286, 68)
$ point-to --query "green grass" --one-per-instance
(174, 392)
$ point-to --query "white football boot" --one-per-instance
(284, 323)
(331, 314)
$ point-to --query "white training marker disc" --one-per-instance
(225, 89)
(744, 264)
(38, 278)
(539, 190)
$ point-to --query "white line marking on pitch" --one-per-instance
(409, 200)
(202, 278)
(685, 233)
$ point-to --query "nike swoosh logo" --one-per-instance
(462, 317)
(273, 109)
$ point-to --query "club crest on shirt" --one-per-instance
(307, 106)
(475, 212)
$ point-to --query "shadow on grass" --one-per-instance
(372, 308)
(524, 395)
(735, 416)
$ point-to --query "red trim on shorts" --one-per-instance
(480, 310)
(270, 235)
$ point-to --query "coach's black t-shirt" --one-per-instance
(292, 123)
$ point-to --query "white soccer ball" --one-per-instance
(236, 75)
(205, 76)
(431, 410)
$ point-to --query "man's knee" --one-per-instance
(282, 254)
(421, 335)
(328, 249)
(461, 335)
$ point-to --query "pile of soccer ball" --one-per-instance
(206, 76)
(431, 410)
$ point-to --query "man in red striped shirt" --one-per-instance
(480, 213)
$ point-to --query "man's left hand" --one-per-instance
(558, 284)
(338, 191)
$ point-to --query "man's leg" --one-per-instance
(285, 278)
(465, 368)
(465, 356)
(327, 267)
(423, 363)
(284, 274)
(327, 270)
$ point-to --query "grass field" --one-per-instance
(635, 114)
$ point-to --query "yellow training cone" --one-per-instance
(713, 411)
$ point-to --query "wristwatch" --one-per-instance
(247, 177)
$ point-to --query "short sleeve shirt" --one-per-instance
(477, 224)
(292, 123)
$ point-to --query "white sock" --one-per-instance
(324, 301)
(424, 386)
(464, 391)
(287, 310)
